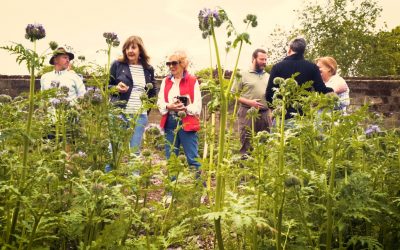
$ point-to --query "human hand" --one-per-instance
(256, 103)
(122, 87)
(176, 106)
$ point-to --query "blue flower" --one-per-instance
(34, 32)
(111, 39)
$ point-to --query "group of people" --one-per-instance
(257, 87)
(179, 99)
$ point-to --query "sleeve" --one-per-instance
(162, 105)
(269, 92)
(195, 107)
(43, 83)
(152, 92)
(113, 74)
(80, 87)
(237, 85)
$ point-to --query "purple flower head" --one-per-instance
(55, 102)
(372, 129)
(82, 154)
(217, 16)
(34, 32)
(111, 38)
(97, 98)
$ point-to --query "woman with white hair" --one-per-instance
(179, 102)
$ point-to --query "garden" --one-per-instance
(330, 181)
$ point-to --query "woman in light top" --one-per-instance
(179, 102)
(328, 68)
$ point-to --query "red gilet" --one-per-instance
(186, 87)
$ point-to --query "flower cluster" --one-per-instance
(94, 95)
(59, 102)
(111, 39)
(252, 19)
(34, 32)
(206, 16)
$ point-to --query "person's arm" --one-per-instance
(339, 85)
(318, 83)
(269, 92)
(152, 92)
(194, 108)
(251, 102)
(80, 87)
(113, 74)
(162, 105)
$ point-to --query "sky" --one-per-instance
(164, 25)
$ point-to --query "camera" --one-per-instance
(183, 100)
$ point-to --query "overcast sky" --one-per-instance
(164, 25)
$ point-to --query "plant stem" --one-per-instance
(329, 203)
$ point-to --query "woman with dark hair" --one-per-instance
(131, 74)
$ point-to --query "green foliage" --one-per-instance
(344, 29)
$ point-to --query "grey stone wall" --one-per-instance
(382, 92)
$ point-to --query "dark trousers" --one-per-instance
(262, 123)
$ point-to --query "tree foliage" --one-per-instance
(346, 30)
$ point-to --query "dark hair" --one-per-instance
(298, 45)
(143, 57)
(255, 53)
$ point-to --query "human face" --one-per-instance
(61, 62)
(260, 62)
(175, 69)
(325, 71)
(132, 53)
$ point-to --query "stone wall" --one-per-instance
(382, 92)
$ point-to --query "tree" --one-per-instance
(343, 29)
(385, 52)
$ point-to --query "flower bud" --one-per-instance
(53, 45)
(149, 85)
(182, 114)
(292, 181)
(97, 188)
(278, 81)
(5, 98)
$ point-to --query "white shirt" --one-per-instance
(65, 78)
(193, 108)
(139, 83)
(344, 97)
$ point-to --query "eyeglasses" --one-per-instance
(173, 63)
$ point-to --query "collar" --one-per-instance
(251, 70)
(295, 56)
(183, 76)
(61, 72)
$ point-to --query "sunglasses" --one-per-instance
(173, 63)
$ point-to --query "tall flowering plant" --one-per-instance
(208, 21)
(33, 32)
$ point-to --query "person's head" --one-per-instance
(327, 67)
(61, 59)
(177, 63)
(259, 59)
(297, 46)
(133, 52)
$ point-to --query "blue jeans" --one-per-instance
(136, 140)
(137, 137)
(188, 140)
